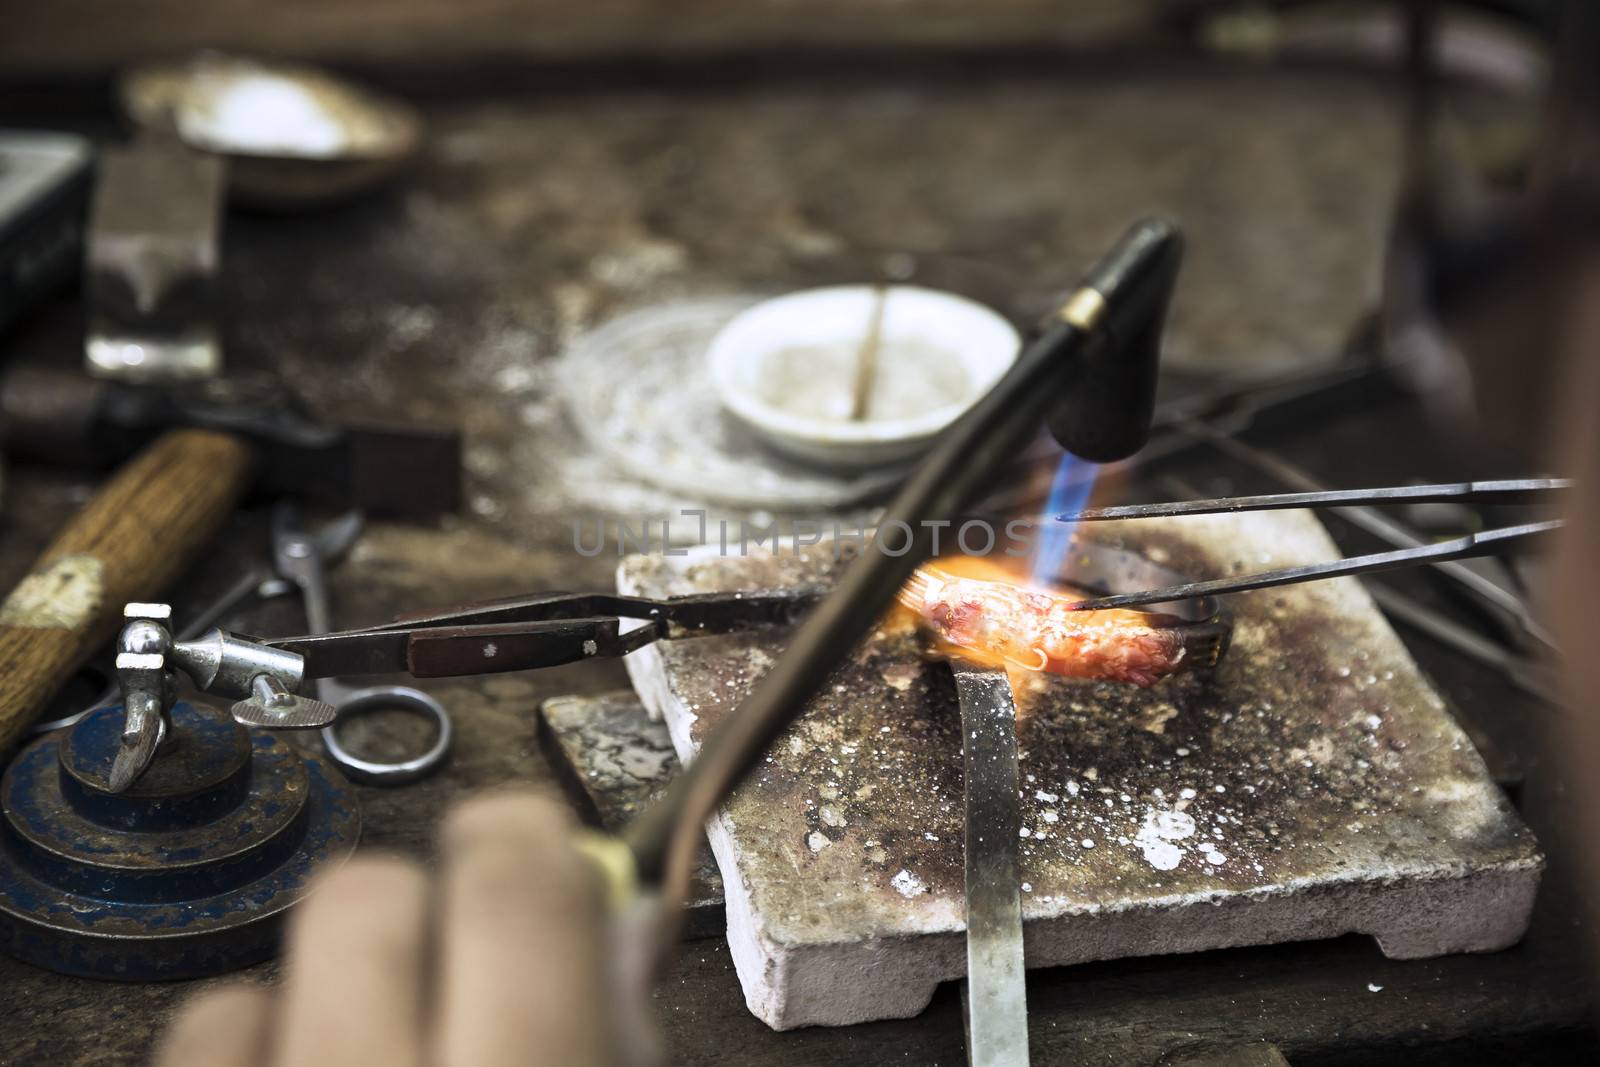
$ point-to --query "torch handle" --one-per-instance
(134, 536)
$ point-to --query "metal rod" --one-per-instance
(867, 357)
(1373, 522)
(1506, 491)
(1532, 679)
(1478, 544)
(997, 1001)
(1526, 675)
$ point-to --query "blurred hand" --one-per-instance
(493, 962)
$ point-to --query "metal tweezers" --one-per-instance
(1486, 542)
(522, 633)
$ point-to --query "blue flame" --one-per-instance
(1069, 494)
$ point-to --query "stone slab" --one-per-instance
(614, 759)
(1315, 786)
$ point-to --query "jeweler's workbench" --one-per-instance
(533, 219)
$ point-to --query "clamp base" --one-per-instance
(188, 873)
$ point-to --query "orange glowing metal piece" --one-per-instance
(1037, 630)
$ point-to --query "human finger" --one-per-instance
(521, 977)
(353, 985)
(224, 1027)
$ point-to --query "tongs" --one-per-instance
(1483, 543)
(523, 633)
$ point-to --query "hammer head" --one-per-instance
(408, 472)
(61, 416)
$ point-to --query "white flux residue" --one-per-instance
(1155, 838)
(908, 884)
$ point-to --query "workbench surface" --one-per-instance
(534, 216)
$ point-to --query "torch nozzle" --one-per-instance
(1103, 413)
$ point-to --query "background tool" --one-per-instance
(154, 252)
(132, 538)
(147, 522)
(147, 691)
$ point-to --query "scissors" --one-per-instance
(301, 558)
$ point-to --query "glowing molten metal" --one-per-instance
(1038, 630)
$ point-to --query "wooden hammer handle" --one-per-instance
(135, 536)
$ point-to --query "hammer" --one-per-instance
(155, 514)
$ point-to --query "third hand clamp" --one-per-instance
(266, 676)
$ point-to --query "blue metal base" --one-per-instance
(189, 873)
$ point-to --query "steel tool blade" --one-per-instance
(997, 1007)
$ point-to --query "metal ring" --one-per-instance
(388, 698)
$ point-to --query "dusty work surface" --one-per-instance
(1314, 786)
(534, 218)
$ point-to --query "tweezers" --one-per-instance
(1483, 543)
(522, 633)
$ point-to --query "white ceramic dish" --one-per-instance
(786, 368)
